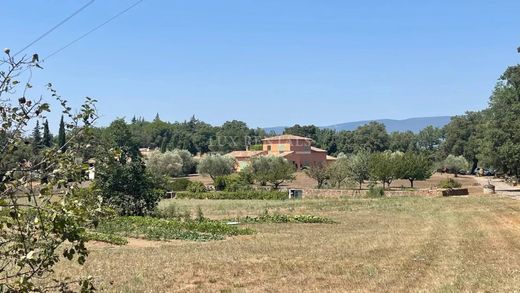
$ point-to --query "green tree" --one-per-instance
(411, 166)
(359, 167)
(232, 135)
(216, 165)
(318, 172)
(501, 133)
(275, 170)
(383, 167)
(36, 138)
(309, 131)
(429, 138)
(462, 137)
(454, 164)
(39, 226)
(371, 137)
(47, 136)
(165, 164)
(403, 142)
(126, 185)
(61, 135)
(338, 171)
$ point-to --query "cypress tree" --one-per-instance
(47, 137)
(37, 137)
(61, 135)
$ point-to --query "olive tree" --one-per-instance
(358, 167)
(318, 172)
(43, 210)
(275, 170)
(165, 164)
(216, 165)
(338, 172)
(383, 167)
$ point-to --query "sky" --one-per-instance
(270, 62)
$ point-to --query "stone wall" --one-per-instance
(336, 193)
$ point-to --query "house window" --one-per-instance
(268, 148)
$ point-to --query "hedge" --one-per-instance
(253, 194)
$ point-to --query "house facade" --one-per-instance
(296, 149)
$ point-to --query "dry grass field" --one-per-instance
(385, 244)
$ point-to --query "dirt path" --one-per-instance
(501, 187)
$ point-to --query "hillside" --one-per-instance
(412, 124)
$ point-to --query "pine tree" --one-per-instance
(134, 120)
(47, 137)
(157, 118)
(37, 137)
(61, 135)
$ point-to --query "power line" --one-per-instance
(93, 29)
(55, 27)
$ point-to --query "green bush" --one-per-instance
(376, 191)
(179, 184)
(252, 194)
(220, 183)
(232, 182)
(449, 183)
(196, 186)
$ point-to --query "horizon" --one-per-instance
(271, 63)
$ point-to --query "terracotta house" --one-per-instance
(295, 149)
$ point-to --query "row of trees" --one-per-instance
(382, 166)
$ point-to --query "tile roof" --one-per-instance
(285, 137)
(318, 150)
(245, 154)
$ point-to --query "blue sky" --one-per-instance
(270, 62)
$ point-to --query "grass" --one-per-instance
(383, 244)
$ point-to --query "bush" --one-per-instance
(449, 183)
(196, 186)
(252, 194)
(232, 182)
(179, 184)
(376, 191)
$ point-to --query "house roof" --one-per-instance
(245, 154)
(284, 154)
(318, 150)
(286, 137)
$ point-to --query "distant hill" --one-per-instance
(412, 124)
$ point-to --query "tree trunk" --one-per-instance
(411, 182)
(474, 166)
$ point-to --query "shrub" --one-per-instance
(449, 183)
(252, 194)
(376, 191)
(232, 182)
(179, 184)
(220, 183)
(196, 186)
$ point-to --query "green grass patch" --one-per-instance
(108, 238)
(168, 229)
(252, 194)
(281, 218)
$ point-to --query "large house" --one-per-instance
(296, 149)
